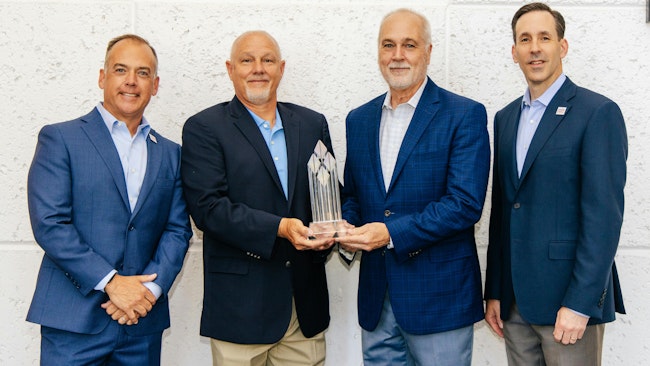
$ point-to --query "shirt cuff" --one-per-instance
(102, 284)
(579, 313)
(155, 289)
(390, 244)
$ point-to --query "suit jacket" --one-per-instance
(235, 196)
(435, 197)
(555, 230)
(81, 217)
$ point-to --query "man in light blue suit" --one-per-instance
(416, 173)
(557, 206)
(106, 206)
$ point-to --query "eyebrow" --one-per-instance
(126, 67)
(544, 33)
(404, 40)
(266, 55)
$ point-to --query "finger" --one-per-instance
(557, 335)
(147, 278)
(151, 298)
(130, 314)
(140, 311)
(117, 315)
(495, 327)
(111, 309)
(495, 324)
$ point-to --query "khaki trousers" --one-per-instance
(292, 350)
(534, 345)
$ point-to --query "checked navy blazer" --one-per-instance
(435, 197)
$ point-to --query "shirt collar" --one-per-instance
(548, 95)
(110, 121)
(413, 102)
(259, 121)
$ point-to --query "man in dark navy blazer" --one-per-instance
(106, 206)
(244, 170)
(415, 180)
(557, 206)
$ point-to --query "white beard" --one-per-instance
(258, 96)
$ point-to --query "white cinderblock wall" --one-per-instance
(51, 51)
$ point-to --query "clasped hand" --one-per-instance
(129, 299)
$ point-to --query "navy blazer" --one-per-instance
(435, 197)
(554, 231)
(82, 219)
(235, 196)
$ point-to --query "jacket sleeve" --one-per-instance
(603, 175)
(49, 196)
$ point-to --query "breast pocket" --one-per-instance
(162, 183)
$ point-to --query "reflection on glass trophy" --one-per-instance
(325, 196)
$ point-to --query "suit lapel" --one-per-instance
(425, 111)
(101, 138)
(373, 142)
(508, 144)
(292, 137)
(154, 159)
(550, 121)
(245, 123)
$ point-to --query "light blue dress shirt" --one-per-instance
(277, 145)
(133, 155)
(531, 115)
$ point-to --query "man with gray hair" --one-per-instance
(415, 180)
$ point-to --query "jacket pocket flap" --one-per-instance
(562, 249)
(229, 265)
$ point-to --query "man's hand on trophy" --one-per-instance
(299, 235)
(367, 237)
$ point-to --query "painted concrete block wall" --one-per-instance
(51, 51)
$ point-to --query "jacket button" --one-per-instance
(387, 213)
(131, 228)
(288, 264)
(516, 205)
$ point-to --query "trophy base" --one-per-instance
(328, 229)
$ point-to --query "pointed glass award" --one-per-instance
(324, 194)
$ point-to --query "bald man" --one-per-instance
(244, 167)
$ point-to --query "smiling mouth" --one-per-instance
(130, 94)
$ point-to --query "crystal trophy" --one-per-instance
(324, 194)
